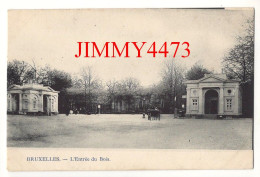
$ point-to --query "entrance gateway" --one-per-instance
(213, 94)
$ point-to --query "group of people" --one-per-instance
(70, 111)
(76, 111)
(153, 114)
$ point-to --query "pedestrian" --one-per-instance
(67, 111)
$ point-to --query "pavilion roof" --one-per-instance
(32, 86)
(212, 78)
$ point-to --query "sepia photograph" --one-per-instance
(131, 79)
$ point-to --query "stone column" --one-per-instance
(113, 105)
(50, 105)
(201, 104)
(20, 103)
(188, 101)
(123, 105)
(57, 104)
(235, 103)
(221, 101)
(14, 106)
(40, 105)
(11, 103)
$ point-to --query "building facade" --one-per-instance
(32, 98)
(213, 94)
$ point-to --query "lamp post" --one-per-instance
(144, 107)
(99, 106)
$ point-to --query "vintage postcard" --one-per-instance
(130, 89)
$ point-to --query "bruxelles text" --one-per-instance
(112, 49)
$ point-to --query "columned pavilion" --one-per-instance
(214, 94)
(32, 98)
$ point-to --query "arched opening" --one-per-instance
(211, 102)
(15, 104)
(45, 103)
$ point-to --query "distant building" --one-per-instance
(32, 98)
(119, 103)
(214, 95)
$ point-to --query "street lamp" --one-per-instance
(99, 106)
(144, 104)
(144, 107)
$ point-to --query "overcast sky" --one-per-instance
(50, 37)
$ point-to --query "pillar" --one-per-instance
(20, 103)
(201, 103)
(40, 104)
(57, 103)
(123, 105)
(11, 103)
(235, 102)
(221, 101)
(119, 106)
(50, 103)
(113, 105)
(188, 101)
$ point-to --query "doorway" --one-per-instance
(211, 102)
(45, 103)
(15, 103)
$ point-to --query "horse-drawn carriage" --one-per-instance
(153, 114)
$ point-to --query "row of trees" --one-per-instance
(19, 72)
(87, 90)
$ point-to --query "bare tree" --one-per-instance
(111, 87)
(172, 81)
(36, 72)
(112, 90)
(18, 72)
(239, 64)
(126, 91)
(91, 85)
(130, 85)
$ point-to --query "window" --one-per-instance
(229, 104)
(52, 104)
(194, 104)
(25, 104)
(34, 104)
(229, 91)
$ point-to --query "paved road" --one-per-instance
(128, 131)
